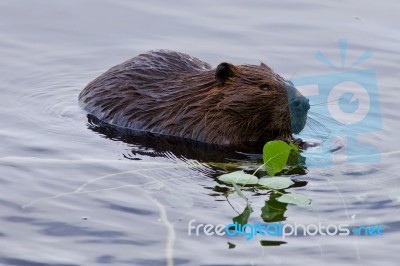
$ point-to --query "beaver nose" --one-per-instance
(297, 102)
(301, 103)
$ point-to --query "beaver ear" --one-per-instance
(264, 65)
(223, 72)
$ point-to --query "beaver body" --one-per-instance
(174, 94)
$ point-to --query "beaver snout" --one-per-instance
(298, 108)
(301, 104)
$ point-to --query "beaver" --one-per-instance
(174, 94)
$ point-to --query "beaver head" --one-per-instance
(174, 94)
(258, 103)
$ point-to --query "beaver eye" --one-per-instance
(265, 87)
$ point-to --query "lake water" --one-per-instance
(74, 194)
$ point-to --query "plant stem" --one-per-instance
(258, 169)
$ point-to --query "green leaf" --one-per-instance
(273, 210)
(271, 243)
(231, 245)
(293, 198)
(275, 182)
(275, 156)
(228, 167)
(294, 147)
(238, 177)
(243, 218)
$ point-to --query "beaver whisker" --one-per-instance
(311, 126)
(321, 116)
(325, 103)
(312, 123)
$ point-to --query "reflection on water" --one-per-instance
(77, 196)
(152, 145)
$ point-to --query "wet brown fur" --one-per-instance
(174, 94)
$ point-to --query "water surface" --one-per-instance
(75, 196)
